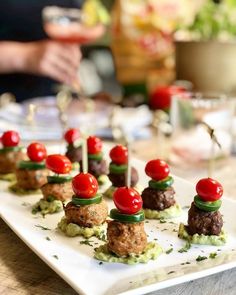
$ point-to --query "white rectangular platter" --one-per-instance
(74, 262)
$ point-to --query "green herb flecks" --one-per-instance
(55, 256)
(169, 251)
(201, 258)
(185, 248)
(42, 227)
(48, 239)
(86, 242)
(213, 255)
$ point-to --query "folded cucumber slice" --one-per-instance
(130, 218)
(10, 149)
(59, 179)
(82, 201)
(29, 165)
(117, 169)
(207, 206)
(161, 184)
(97, 157)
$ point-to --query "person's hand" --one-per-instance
(56, 60)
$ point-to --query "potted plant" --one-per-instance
(206, 48)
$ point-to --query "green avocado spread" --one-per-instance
(14, 188)
(102, 179)
(72, 229)
(109, 192)
(8, 177)
(47, 207)
(202, 239)
(171, 212)
(152, 251)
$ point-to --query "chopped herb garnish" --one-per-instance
(171, 222)
(155, 239)
(218, 249)
(146, 221)
(48, 239)
(213, 255)
(86, 242)
(42, 227)
(164, 229)
(185, 248)
(170, 272)
(55, 256)
(102, 236)
(200, 258)
(100, 263)
(175, 230)
(169, 251)
(162, 220)
(184, 263)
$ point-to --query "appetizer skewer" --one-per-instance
(204, 218)
(10, 154)
(74, 148)
(159, 197)
(31, 174)
(58, 187)
(118, 170)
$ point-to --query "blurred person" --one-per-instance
(30, 63)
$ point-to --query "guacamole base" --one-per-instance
(103, 179)
(171, 212)
(202, 239)
(14, 188)
(45, 207)
(152, 251)
(8, 177)
(72, 229)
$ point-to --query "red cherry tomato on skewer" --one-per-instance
(59, 164)
(94, 145)
(72, 135)
(209, 190)
(36, 152)
(119, 154)
(10, 138)
(85, 185)
(157, 169)
(127, 200)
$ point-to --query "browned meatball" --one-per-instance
(158, 200)
(202, 222)
(31, 179)
(9, 160)
(60, 191)
(96, 167)
(126, 238)
(74, 154)
(119, 180)
(88, 215)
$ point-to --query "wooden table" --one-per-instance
(22, 272)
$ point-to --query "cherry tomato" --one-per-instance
(72, 135)
(59, 164)
(161, 97)
(119, 154)
(209, 190)
(157, 169)
(127, 200)
(94, 145)
(85, 185)
(36, 152)
(10, 138)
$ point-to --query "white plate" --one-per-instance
(76, 265)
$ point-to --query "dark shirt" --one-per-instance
(21, 20)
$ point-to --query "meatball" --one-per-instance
(74, 154)
(88, 215)
(9, 160)
(60, 191)
(126, 238)
(202, 222)
(157, 199)
(96, 167)
(119, 180)
(31, 179)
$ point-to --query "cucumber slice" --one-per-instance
(10, 149)
(161, 184)
(29, 165)
(117, 169)
(97, 157)
(207, 206)
(59, 179)
(130, 218)
(83, 202)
